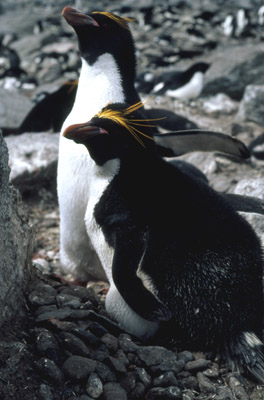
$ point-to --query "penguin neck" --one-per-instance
(100, 84)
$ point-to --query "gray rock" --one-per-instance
(94, 386)
(253, 187)
(126, 344)
(143, 376)
(251, 105)
(74, 344)
(49, 370)
(113, 391)
(42, 295)
(77, 367)
(197, 365)
(205, 384)
(59, 314)
(237, 388)
(166, 379)
(138, 391)
(111, 342)
(115, 364)
(66, 300)
(13, 108)
(105, 373)
(191, 383)
(128, 381)
(185, 356)
(232, 69)
(224, 393)
(47, 345)
(45, 392)
(169, 393)
(168, 365)
(33, 160)
(154, 355)
(120, 355)
(15, 244)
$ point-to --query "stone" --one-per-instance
(166, 379)
(143, 376)
(237, 388)
(45, 392)
(64, 300)
(59, 314)
(154, 355)
(105, 373)
(13, 108)
(48, 346)
(115, 364)
(120, 355)
(77, 367)
(205, 384)
(197, 365)
(94, 386)
(74, 344)
(169, 393)
(185, 356)
(127, 345)
(232, 69)
(255, 188)
(49, 370)
(224, 393)
(191, 383)
(138, 391)
(33, 160)
(16, 244)
(251, 105)
(111, 342)
(168, 365)
(113, 391)
(42, 295)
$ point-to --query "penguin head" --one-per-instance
(117, 131)
(102, 32)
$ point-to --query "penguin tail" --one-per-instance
(246, 354)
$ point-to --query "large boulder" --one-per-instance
(233, 68)
(16, 242)
(251, 107)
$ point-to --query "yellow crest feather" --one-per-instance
(122, 118)
(122, 21)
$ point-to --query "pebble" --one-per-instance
(105, 373)
(43, 295)
(49, 370)
(48, 346)
(169, 393)
(77, 367)
(113, 391)
(138, 391)
(94, 386)
(167, 379)
(60, 314)
(143, 376)
(67, 300)
(126, 344)
(45, 392)
(197, 365)
(224, 393)
(120, 355)
(111, 342)
(170, 365)
(115, 364)
(154, 355)
(128, 381)
(205, 384)
(74, 344)
(237, 388)
(185, 356)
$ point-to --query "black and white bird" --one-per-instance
(180, 256)
(107, 75)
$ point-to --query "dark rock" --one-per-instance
(111, 342)
(87, 337)
(128, 381)
(212, 372)
(48, 346)
(205, 384)
(143, 376)
(42, 295)
(185, 356)
(115, 364)
(77, 367)
(74, 344)
(113, 391)
(138, 391)
(154, 355)
(59, 314)
(49, 370)
(78, 291)
(120, 355)
(188, 395)
(169, 393)
(224, 393)
(105, 373)
(169, 365)
(45, 392)
(94, 386)
(191, 383)
(44, 309)
(126, 344)
(96, 329)
(164, 380)
(66, 300)
(197, 365)
(237, 388)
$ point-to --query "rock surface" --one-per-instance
(16, 243)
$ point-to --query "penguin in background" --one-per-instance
(180, 256)
(186, 84)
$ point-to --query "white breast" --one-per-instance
(191, 90)
(99, 85)
(100, 179)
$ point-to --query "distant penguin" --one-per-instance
(229, 25)
(180, 256)
(107, 75)
(186, 84)
(261, 16)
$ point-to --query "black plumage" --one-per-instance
(181, 253)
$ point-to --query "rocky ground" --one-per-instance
(66, 348)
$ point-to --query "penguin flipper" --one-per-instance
(181, 142)
(127, 255)
(248, 204)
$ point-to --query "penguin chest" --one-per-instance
(191, 89)
(99, 181)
